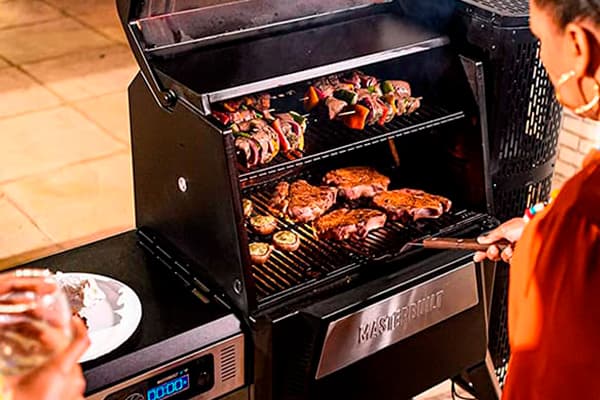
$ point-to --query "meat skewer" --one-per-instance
(360, 100)
(260, 136)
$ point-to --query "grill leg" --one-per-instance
(482, 381)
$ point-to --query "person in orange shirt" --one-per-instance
(554, 284)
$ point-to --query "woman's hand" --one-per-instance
(61, 377)
(511, 231)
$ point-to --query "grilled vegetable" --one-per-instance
(387, 87)
(283, 140)
(358, 120)
(286, 241)
(392, 101)
(348, 96)
(260, 252)
(303, 122)
(263, 224)
(400, 87)
(375, 89)
(312, 99)
(384, 115)
(223, 118)
(375, 109)
(247, 206)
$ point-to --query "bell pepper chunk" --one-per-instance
(283, 141)
(312, 99)
(358, 120)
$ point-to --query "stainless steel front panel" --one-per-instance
(389, 321)
(228, 372)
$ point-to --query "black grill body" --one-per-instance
(524, 117)
(524, 124)
(189, 186)
(289, 344)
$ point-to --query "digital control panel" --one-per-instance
(181, 382)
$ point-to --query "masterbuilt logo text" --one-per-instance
(401, 318)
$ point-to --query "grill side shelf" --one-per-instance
(326, 139)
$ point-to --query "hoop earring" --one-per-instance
(566, 77)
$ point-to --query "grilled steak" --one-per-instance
(301, 201)
(344, 223)
(405, 204)
(281, 197)
(356, 182)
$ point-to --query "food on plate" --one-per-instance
(406, 204)
(263, 224)
(81, 292)
(260, 252)
(286, 241)
(345, 223)
(356, 182)
(247, 207)
(301, 201)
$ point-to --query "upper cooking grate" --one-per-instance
(325, 138)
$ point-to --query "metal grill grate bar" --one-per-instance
(325, 138)
(316, 258)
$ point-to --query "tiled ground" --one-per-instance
(65, 173)
(65, 170)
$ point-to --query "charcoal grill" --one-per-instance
(334, 319)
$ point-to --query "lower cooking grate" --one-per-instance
(325, 138)
(316, 259)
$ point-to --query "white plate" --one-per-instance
(113, 320)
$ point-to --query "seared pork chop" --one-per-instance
(356, 182)
(302, 201)
(345, 223)
(404, 204)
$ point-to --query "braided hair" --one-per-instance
(566, 11)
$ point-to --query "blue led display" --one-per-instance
(169, 388)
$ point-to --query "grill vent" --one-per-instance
(228, 363)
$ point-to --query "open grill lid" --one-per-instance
(213, 50)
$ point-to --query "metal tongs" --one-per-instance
(445, 243)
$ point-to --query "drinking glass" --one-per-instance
(35, 320)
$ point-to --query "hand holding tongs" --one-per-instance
(445, 243)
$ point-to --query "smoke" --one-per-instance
(434, 14)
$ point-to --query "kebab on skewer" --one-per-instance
(360, 100)
(243, 109)
(260, 136)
